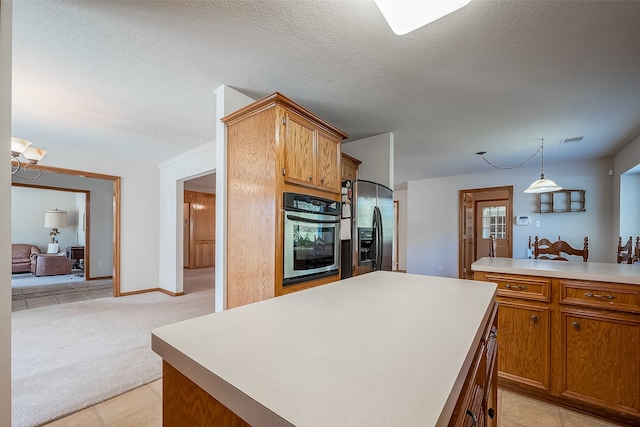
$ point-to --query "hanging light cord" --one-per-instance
(482, 153)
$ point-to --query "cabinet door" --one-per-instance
(601, 360)
(328, 163)
(299, 150)
(524, 342)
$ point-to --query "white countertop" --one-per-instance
(378, 349)
(601, 272)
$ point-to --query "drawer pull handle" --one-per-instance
(591, 295)
(322, 181)
(534, 318)
(516, 287)
(310, 178)
(473, 417)
(576, 325)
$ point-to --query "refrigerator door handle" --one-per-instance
(377, 220)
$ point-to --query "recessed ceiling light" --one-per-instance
(405, 16)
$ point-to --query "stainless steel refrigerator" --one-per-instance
(371, 244)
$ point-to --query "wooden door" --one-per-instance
(299, 150)
(491, 219)
(202, 229)
(525, 343)
(328, 163)
(601, 360)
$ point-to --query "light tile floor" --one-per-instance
(143, 407)
(27, 297)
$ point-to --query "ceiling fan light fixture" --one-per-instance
(404, 16)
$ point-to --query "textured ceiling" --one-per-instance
(137, 77)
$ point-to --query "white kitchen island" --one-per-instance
(379, 349)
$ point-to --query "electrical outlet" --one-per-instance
(439, 267)
(537, 223)
(99, 264)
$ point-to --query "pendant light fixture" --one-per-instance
(542, 185)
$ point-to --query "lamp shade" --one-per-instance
(54, 218)
(543, 186)
(34, 155)
(18, 146)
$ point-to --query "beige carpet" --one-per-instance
(67, 357)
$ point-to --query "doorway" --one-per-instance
(484, 212)
(112, 269)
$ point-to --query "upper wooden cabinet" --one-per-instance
(273, 145)
(311, 155)
(350, 167)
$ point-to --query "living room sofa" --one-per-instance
(21, 257)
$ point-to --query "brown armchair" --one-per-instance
(50, 265)
(21, 257)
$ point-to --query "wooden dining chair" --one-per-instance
(558, 250)
(636, 252)
(625, 253)
(492, 246)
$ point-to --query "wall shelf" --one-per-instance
(562, 201)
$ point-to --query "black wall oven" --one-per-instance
(311, 238)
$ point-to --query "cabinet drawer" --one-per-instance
(524, 287)
(612, 296)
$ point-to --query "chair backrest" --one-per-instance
(636, 252)
(556, 251)
(492, 246)
(625, 253)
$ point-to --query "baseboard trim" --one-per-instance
(144, 291)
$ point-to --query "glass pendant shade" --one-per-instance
(543, 186)
(34, 155)
(18, 146)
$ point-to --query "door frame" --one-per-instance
(477, 193)
(116, 214)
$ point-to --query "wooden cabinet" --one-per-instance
(477, 404)
(350, 166)
(600, 363)
(575, 342)
(311, 156)
(273, 145)
(525, 344)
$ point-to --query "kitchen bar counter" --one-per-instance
(604, 272)
(378, 349)
(569, 332)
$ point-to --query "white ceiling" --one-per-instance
(136, 78)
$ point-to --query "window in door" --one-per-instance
(494, 221)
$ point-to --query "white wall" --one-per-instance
(173, 172)
(432, 217)
(5, 208)
(376, 155)
(629, 205)
(27, 216)
(139, 218)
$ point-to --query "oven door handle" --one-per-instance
(313, 221)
